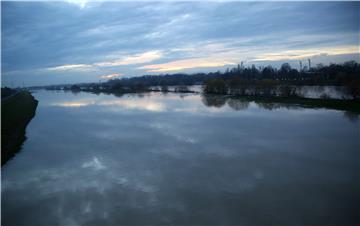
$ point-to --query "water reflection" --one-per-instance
(353, 117)
(214, 101)
(94, 164)
(241, 104)
(124, 103)
(238, 105)
(274, 105)
(170, 160)
(159, 102)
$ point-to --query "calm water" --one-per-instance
(334, 92)
(182, 160)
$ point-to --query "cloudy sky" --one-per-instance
(79, 41)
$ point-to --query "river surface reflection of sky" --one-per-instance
(155, 159)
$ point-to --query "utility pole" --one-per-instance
(309, 64)
(301, 66)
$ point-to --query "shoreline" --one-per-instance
(17, 111)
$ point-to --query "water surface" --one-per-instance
(172, 159)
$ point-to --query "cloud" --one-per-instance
(169, 28)
(111, 76)
(306, 53)
(179, 65)
(70, 39)
(68, 67)
(80, 3)
(134, 59)
(128, 60)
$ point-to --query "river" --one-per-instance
(170, 159)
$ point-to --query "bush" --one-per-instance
(164, 89)
(353, 89)
(215, 86)
(287, 91)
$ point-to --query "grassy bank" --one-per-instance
(16, 113)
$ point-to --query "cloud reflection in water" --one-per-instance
(160, 160)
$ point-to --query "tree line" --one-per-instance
(240, 81)
(263, 81)
(333, 74)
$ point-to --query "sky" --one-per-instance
(79, 41)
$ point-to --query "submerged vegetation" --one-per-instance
(271, 82)
(239, 81)
(264, 84)
(16, 112)
(333, 74)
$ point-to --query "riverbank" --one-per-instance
(16, 112)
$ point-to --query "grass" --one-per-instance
(16, 113)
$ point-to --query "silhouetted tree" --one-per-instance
(287, 91)
(238, 86)
(268, 73)
(353, 88)
(267, 87)
(246, 81)
(284, 70)
(118, 87)
(215, 86)
(164, 88)
(75, 88)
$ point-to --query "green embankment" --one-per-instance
(16, 113)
